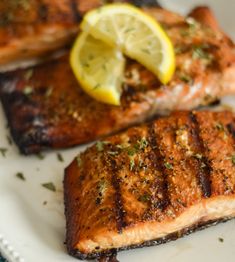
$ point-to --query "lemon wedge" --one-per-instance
(109, 33)
(99, 68)
(137, 35)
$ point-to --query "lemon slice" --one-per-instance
(136, 34)
(98, 67)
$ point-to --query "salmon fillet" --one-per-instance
(46, 108)
(151, 184)
(34, 28)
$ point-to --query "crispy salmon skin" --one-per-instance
(151, 184)
(35, 28)
(46, 108)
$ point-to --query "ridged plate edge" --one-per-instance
(8, 251)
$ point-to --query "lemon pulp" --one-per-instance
(108, 33)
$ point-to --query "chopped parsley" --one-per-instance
(219, 126)
(132, 164)
(221, 239)
(3, 151)
(40, 156)
(144, 198)
(131, 151)
(79, 161)
(60, 157)
(193, 24)
(50, 186)
(186, 78)
(20, 176)
(142, 144)
(200, 52)
(233, 159)
(9, 140)
(168, 165)
(102, 186)
(178, 50)
(100, 146)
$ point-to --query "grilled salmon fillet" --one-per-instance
(151, 184)
(46, 108)
(34, 28)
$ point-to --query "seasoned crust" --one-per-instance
(33, 29)
(157, 181)
(58, 114)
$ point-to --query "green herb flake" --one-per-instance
(20, 176)
(60, 157)
(144, 198)
(168, 165)
(28, 90)
(9, 140)
(186, 78)
(221, 239)
(193, 24)
(184, 32)
(178, 50)
(50, 186)
(219, 126)
(79, 161)
(131, 151)
(100, 146)
(199, 52)
(102, 186)
(40, 156)
(132, 164)
(233, 159)
(143, 143)
(3, 151)
(28, 74)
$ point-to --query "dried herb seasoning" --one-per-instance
(50, 186)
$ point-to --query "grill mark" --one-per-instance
(205, 169)
(231, 129)
(141, 3)
(42, 11)
(119, 209)
(76, 14)
(159, 163)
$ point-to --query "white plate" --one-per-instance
(34, 232)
